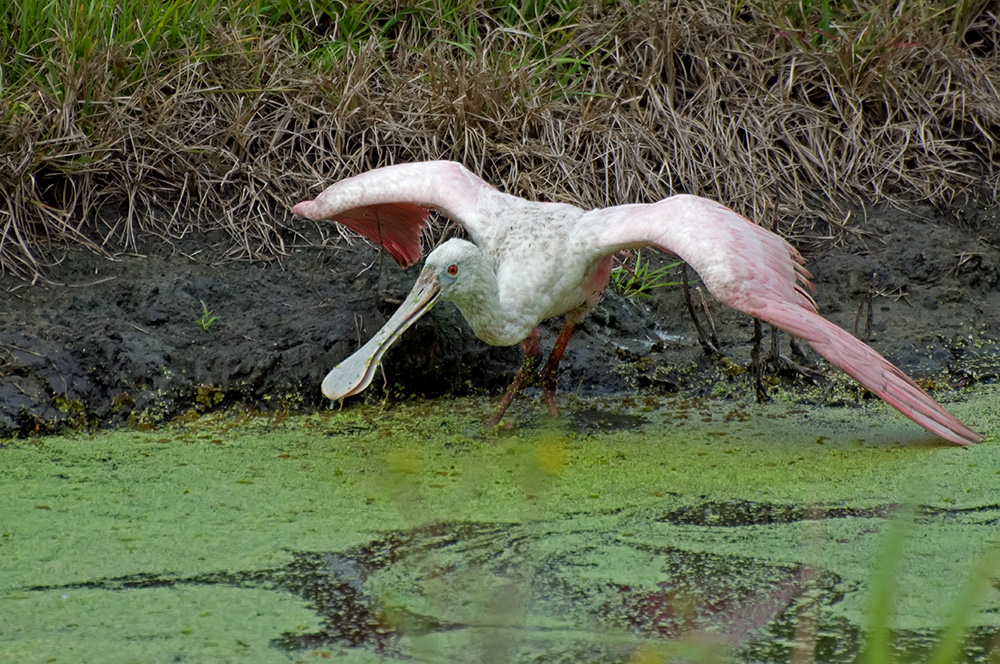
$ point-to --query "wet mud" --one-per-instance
(141, 337)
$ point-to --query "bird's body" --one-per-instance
(529, 261)
(524, 298)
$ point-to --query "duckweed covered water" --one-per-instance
(621, 532)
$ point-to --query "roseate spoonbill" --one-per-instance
(530, 261)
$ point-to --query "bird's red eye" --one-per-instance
(453, 270)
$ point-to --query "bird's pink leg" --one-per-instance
(531, 347)
(551, 369)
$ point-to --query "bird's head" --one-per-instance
(455, 271)
(461, 271)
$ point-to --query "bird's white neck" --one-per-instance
(478, 299)
(480, 306)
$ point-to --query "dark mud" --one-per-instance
(117, 340)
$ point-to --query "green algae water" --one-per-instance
(644, 530)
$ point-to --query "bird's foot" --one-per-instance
(547, 379)
(550, 400)
(526, 375)
(498, 414)
(508, 397)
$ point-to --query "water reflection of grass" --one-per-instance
(686, 538)
(551, 453)
(885, 588)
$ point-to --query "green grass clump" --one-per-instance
(637, 280)
(207, 317)
(130, 121)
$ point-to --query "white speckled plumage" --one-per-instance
(530, 261)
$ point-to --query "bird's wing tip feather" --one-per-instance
(301, 209)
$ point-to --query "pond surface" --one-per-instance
(643, 530)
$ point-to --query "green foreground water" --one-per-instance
(621, 532)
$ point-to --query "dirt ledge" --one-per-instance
(113, 342)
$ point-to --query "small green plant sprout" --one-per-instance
(207, 317)
(637, 281)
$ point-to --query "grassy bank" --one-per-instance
(135, 120)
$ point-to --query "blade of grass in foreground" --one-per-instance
(949, 647)
(878, 646)
(878, 649)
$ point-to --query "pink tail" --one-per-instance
(868, 367)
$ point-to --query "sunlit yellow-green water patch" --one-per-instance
(625, 530)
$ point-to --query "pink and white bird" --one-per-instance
(531, 261)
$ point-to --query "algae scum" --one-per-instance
(656, 530)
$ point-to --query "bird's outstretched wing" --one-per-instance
(390, 205)
(756, 271)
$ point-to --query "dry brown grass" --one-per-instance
(729, 101)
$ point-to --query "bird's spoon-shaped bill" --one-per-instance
(356, 372)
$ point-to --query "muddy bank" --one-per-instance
(122, 340)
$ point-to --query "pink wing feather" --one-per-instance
(395, 227)
(390, 205)
(757, 272)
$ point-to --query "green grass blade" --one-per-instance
(878, 646)
(949, 647)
